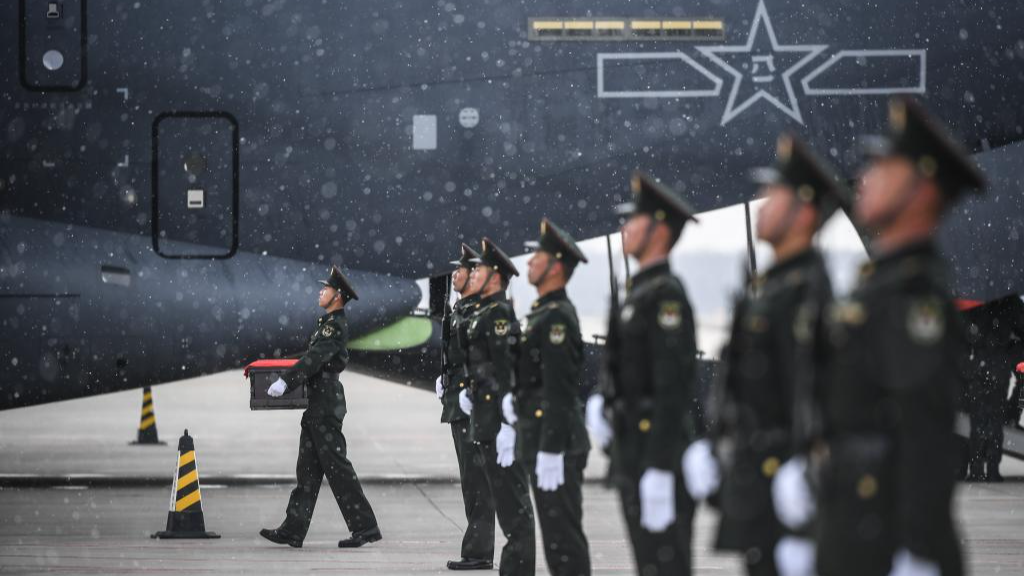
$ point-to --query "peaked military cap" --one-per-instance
(466, 259)
(338, 281)
(558, 243)
(654, 198)
(812, 179)
(919, 138)
(493, 257)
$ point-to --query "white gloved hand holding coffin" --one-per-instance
(277, 389)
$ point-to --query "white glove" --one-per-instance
(700, 470)
(795, 556)
(439, 387)
(550, 471)
(657, 500)
(465, 403)
(505, 444)
(508, 409)
(596, 422)
(905, 563)
(794, 503)
(277, 389)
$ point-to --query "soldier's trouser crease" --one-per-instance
(561, 522)
(478, 541)
(985, 442)
(511, 490)
(665, 553)
(323, 451)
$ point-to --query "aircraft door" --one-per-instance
(52, 45)
(195, 185)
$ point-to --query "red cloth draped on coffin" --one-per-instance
(274, 363)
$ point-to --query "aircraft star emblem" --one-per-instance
(760, 70)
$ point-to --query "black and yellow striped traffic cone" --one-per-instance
(185, 519)
(147, 423)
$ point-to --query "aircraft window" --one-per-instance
(53, 60)
(195, 163)
(115, 275)
(424, 132)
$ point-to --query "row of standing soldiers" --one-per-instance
(510, 390)
(828, 445)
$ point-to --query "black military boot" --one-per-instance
(278, 536)
(470, 564)
(360, 538)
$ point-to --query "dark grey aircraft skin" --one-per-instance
(87, 311)
(296, 119)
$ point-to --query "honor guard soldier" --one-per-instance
(769, 363)
(890, 395)
(994, 331)
(546, 407)
(652, 392)
(987, 374)
(478, 541)
(491, 342)
(322, 447)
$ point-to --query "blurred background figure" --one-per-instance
(994, 333)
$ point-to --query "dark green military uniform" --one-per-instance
(478, 540)
(491, 337)
(890, 395)
(654, 350)
(889, 407)
(772, 335)
(322, 447)
(771, 358)
(993, 330)
(550, 412)
(988, 374)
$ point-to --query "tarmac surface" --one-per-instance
(75, 498)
